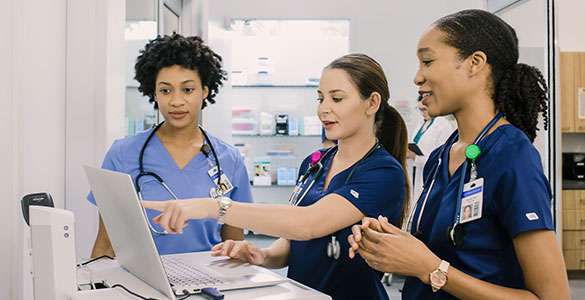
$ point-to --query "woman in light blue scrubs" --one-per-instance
(504, 246)
(180, 75)
(362, 176)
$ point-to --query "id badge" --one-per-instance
(225, 185)
(471, 201)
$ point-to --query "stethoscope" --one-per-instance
(205, 148)
(456, 232)
(317, 167)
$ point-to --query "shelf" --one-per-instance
(277, 136)
(275, 86)
(573, 184)
(273, 185)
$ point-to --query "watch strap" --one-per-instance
(442, 268)
(224, 204)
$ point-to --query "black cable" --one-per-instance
(186, 295)
(132, 293)
(94, 259)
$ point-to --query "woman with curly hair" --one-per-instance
(505, 247)
(180, 76)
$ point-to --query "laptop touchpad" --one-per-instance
(232, 267)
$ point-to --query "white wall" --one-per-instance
(59, 79)
(386, 30)
(95, 101)
(39, 76)
(9, 236)
(571, 25)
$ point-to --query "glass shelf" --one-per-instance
(273, 185)
(277, 136)
(275, 86)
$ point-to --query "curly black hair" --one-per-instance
(518, 90)
(189, 52)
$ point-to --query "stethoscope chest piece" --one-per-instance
(333, 248)
(215, 192)
(456, 235)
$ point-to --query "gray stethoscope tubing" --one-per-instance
(435, 171)
(205, 149)
(333, 247)
(294, 199)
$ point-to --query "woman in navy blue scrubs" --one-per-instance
(505, 246)
(360, 177)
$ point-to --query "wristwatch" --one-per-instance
(224, 204)
(438, 277)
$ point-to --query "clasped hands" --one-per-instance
(388, 249)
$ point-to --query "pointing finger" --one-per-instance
(156, 205)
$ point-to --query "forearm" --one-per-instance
(102, 245)
(276, 255)
(464, 286)
(295, 223)
(99, 250)
(228, 232)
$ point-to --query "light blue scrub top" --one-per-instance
(516, 199)
(192, 181)
(375, 188)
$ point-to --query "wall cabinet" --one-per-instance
(572, 78)
(574, 229)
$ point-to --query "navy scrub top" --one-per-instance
(375, 188)
(516, 199)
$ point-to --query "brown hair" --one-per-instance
(368, 76)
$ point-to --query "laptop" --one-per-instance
(136, 252)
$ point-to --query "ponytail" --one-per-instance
(367, 75)
(392, 134)
(521, 94)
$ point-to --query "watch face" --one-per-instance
(225, 201)
(438, 278)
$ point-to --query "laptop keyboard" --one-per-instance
(182, 273)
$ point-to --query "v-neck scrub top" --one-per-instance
(375, 188)
(192, 181)
(516, 199)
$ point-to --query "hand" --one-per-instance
(175, 213)
(242, 250)
(410, 154)
(392, 250)
(356, 235)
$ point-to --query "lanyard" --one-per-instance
(474, 149)
(472, 152)
(421, 132)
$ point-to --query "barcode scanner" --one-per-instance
(40, 199)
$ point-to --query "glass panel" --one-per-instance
(285, 52)
(140, 114)
(170, 21)
(532, 42)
